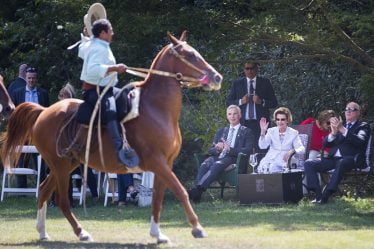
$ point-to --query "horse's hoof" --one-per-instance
(163, 239)
(198, 233)
(85, 236)
(44, 238)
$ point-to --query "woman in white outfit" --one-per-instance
(283, 141)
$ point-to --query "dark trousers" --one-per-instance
(124, 182)
(254, 125)
(24, 162)
(91, 182)
(340, 166)
(210, 169)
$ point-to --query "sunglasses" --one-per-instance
(280, 119)
(249, 68)
(351, 110)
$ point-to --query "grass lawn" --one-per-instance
(343, 223)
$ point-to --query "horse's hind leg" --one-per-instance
(46, 190)
(63, 199)
(165, 175)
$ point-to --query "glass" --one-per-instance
(252, 161)
(249, 68)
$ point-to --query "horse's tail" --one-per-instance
(19, 129)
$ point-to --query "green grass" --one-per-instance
(343, 223)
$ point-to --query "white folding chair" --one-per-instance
(110, 179)
(11, 171)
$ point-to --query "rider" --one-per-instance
(100, 68)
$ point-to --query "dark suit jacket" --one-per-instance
(18, 96)
(16, 84)
(353, 144)
(264, 90)
(243, 142)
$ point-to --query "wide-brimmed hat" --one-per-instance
(95, 12)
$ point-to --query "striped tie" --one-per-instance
(228, 141)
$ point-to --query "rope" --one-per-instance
(89, 136)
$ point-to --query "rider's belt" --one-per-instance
(86, 86)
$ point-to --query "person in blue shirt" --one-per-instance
(100, 68)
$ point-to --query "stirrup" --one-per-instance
(128, 157)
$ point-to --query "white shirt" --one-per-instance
(97, 57)
(236, 130)
(330, 138)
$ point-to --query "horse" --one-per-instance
(6, 103)
(155, 135)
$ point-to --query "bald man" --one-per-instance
(20, 81)
(347, 141)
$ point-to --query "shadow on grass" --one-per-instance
(89, 245)
(339, 214)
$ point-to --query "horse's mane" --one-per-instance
(141, 83)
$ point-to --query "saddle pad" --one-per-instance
(135, 99)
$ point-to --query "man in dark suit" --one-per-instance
(227, 144)
(30, 93)
(254, 95)
(20, 81)
(346, 141)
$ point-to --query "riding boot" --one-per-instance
(126, 156)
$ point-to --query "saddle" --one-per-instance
(127, 98)
(73, 133)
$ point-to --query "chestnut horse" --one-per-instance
(155, 135)
(6, 103)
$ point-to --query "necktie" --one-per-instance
(251, 105)
(228, 141)
(349, 125)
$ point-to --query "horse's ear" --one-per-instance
(183, 36)
(172, 38)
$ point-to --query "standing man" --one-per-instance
(227, 144)
(100, 68)
(254, 95)
(347, 141)
(30, 93)
(20, 81)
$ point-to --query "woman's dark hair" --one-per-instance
(100, 25)
(324, 116)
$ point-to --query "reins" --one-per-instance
(185, 81)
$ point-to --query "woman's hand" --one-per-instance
(287, 155)
(264, 126)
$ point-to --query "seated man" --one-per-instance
(346, 141)
(227, 144)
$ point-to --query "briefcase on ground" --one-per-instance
(270, 188)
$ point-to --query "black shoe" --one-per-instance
(326, 195)
(195, 194)
(128, 157)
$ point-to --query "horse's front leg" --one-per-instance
(157, 200)
(169, 178)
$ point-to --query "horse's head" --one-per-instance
(190, 67)
(6, 104)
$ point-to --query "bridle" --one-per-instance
(185, 81)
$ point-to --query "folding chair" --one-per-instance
(12, 171)
(110, 191)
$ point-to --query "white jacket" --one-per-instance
(274, 157)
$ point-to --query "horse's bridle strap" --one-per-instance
(183, 80)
